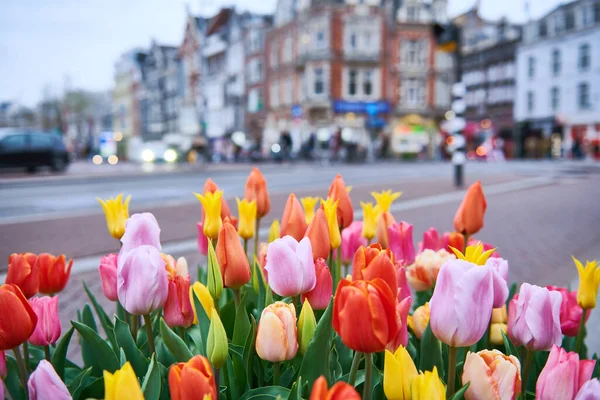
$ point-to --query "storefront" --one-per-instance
(413, 136)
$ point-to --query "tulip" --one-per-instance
(423, 274)
(205, 298)
(276, 337)
(428, 386)
(320, 295)
(401, 243)
(116, 212)
(217, 347)
(384, 221)
(211, 203)
(290, 266)
(274, 231)
(140, 229)
(178, 307)
(461, 305)
(398, 372)
(419, 320)
(352, 239)
(493, 375)
(373, 262)
(403, 288)
(469, 216)
(142, 282)
(330, 207)
(256, 189)
(54, 273)
(498, 325)
(47, 329)
(401, 338)
(589, 280)
(262, 259)
(452, 239)
(534, 318)
(247, 213)
(486, 246)
(108, 276)
(318, 234)
(233, 262)
(570, 311)
(23, 272)
(590, 390)
(45, 384)
(563, 375)
(3, 371)
(340, 391)
(384, 200)
(214, 275)
(308, 204)
(192, 380)
(202, 239)
(370, 215)
(18, 318)
(307, 324)
(211, 187)
(123, 384)
(339, 193)
(376, 305)
(431, 240)
(293, 222)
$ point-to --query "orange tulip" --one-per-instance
(256, 189)
(54, 272)
(23, 272)
(318, 233)
(17, 319)
(373, 262)
(211, 186)
(293, 222)
(384, 221)
(339, 391)
(234, 265)
(375, 303)
(453, 239)
(192, 380)
(345, 212)
(469, 216)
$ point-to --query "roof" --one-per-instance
(219, 20)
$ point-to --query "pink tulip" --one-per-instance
(563, 375)
(2, 365)
(202, 240)
(534, 318)
(570, 311)
(352, 239)
(461, 305)
(178, 307)
(321, 294)
(401, 242)
(431, 240)
(499, 267)
(590, 390)
(290, 266)
(108, 276)
(403, 288)
(402, 309)
(45, 384)
(140, 229)
(47, 330)
(142, 282)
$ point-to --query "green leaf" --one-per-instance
(315, 362)
(241, 326)
(162, 353)
(237, 359)
(227, 315)
(334, 365)
(123, 337)
(431, 352)
(249, 350)
(267, 393)
(461, 392)
(422, 298)
(78, 383)
(511, 293)
(60, 353)
(203, 326)
(103, 356)
(105, 321)
(297, 389)
(122, 358)
(12, 381)
(596, 373)
(151, 386)
(265, 296)
(93, 389)
(215, 280)
(344, 354)
(87, 318)
(176, 346)
(230, 379)
(509, 347)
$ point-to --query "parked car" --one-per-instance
(24, 148)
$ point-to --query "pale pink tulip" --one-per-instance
(47, 330)
(493, 376)
(108, 276)
(401, 242)
(290, 266)
(276, 339)
(352, 239)
(563, 375)
(45, 384)
(321, 294)
(499, 267)
(590, 390)
(140, 229)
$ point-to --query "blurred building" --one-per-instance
(557, 101)
(127, 95)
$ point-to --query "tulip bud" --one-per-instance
(339, 193)
(211, 187)
(330, 207)
(215, 280)
(18, 318)
(401, 242)
(563, 375)
(274, 232)
(108, 276)
(140, 229)
(318, 234)
(45, 384)
(290, 266)
(217, 347)
(469, 216)
(24, 272)
(320, 295)
(398, 372)
(307, 324)
(492, 374)
(256, 190)
(205, 298)
(122, 382)
(589, 281)
(384, 221)
(211, 203)
(419, 320)
(178, 309)
(431, 240)
(116, 212)
(570, 311)
(352, 239)
(370, 215)
(54, 272)
(232, 259)
(47, 329)
(496, 330)
(340, 391)
(428, 386)
(452, 239)
(293, 222)
(247, 222)
(276, 337)
(309, 203)
(192, 380)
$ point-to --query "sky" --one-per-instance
(47, 45)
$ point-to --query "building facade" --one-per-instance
(127, 94)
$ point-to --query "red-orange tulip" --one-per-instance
(192, 380)
(54, 272)
(375, 303)
(469, 216)
(293, 222)
(453, 239)
(373, 262)
(17, 319)
(345, 212)
(211, 186)
(384, 221)
(23, 272)
(318, 233)
(256, 189)
(339, 391)
(231, 257)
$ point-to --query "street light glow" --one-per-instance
(97, 159)
(113, 160)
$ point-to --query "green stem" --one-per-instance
(246, 248)
(26, 356)
(21, 365)
(369, 242)
(465, 239)
(148, 324)
(276, 374)
(580, 333)
(452, 351)
(331, 269)
(368, 376)
(217, 377)
(236, 296)
(135, 321)
(338, 266)
(526, 368)
(256, 238)
(181, 333)
(47, 352)
(297, 303)
(354, 368)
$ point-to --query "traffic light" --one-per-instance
(446, 37)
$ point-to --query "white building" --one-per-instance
(558, 80)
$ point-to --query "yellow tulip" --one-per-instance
(330, 207)
(428, 386)
(247, 221)
(116, 212)
(384, 200)
(212, 208)
(205, 298)
(309, 203)
(274, 231)
(496, 329)
(398, 373)
(589, 280)
(217, 347)
(474, 254)
(123, 384)
(307, 324)
(419, 320)
(369, 227)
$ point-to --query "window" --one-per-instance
(555, 62)
(586, 15)
(584, 56)
(14, 143)
(253, 101)
(274, 94)
(530, 67)
(367, 40)
(319, 81)
(543, 29)
(596, 12)
(287, 50)
(411, 13)
(583, 92)
(368, 82)
(530, 101)
(288, 91)
(273, 57)
(570, 20)
(412, 51)
(320, 39)
(352, 77)
(353, 41)
(415, 92)
(559, 23)
(554, 98)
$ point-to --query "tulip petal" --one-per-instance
(308, 276)
(271, 345)
(443, 319)
(283, 269)
(543, 318)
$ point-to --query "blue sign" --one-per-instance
(296, 111)
(375, 122)
(361, 107)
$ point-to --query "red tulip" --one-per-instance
(193, 379)
(256, 189)
(340, 391)
(178, 309)
(469, 216)
(23, 272)
(339, 192)
(318, 234)
(373, 262)
(54, 272)
(293, 222)
(17, 319)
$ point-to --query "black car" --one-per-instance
(22, 148)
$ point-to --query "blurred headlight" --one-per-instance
(276, 148)
(148, 155)
(170, 155)
(97, 159)
(112, 159)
